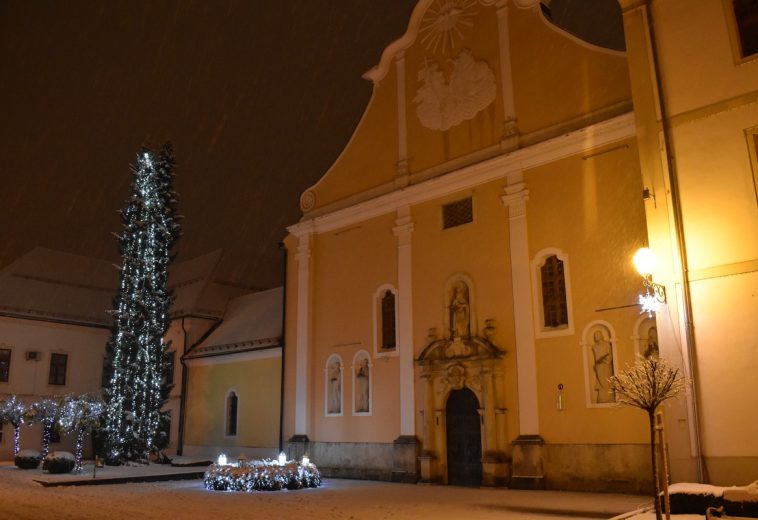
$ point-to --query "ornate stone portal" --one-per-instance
(463, 360)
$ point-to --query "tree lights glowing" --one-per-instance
(79, 415)
(46, 413)
(262, 475)
(136, 353)
(14, 412)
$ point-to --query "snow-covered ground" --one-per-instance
(23, 499)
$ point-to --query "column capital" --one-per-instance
(515, 199)
(303, 252)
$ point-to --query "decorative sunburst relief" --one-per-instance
(444, 22)
(443, 104)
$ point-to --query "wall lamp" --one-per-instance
(655, 294)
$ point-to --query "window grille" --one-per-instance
(554, 306)
(457, 213)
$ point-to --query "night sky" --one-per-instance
(257, 97)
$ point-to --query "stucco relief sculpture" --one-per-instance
(443, 104)
(602, 366)
(334, 387)
(361, 386)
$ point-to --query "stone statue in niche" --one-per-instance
(334, 388)
(460, 311)
(602, 365)
(361, 386)
(651, 344)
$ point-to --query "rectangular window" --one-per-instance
(457, 213)
(58, 364)
(5, 364)
(746, 21)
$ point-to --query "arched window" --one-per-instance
(385, 321)
(232, 407)
(555, 311)
(388, 321)
(551, 293)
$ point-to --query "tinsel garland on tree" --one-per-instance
(80, 415)
(45, 412)
(136, 353)
(261, 475)
(14, 412)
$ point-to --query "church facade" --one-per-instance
(460, 286)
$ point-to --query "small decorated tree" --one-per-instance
(14, 412)
(645, 385)
(46, 413)
(80, 415)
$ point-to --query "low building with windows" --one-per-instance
(53, 331)
(460, 286)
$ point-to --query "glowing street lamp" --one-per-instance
(655, 294)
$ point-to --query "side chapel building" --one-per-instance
(460, 285)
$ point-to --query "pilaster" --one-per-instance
(302, 341)
(528, 470)
(403, 230)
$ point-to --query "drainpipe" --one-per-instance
(284, 323)
(682, 247)
(183, 396)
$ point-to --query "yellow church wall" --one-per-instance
(591, 209)
(428, 148)
(718, 73)
(556, 79)
(716, 182)
(256, 383)
(478, 250)
(370, 157)
(349, 265)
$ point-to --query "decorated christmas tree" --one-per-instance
(136, 352)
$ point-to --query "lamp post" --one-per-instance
(655, 294)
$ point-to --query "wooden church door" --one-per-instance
(464, 439)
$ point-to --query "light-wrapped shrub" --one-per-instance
(27, 459)
(261, 475)
(59, 462)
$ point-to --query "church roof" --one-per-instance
(53, 285)
(252, 322)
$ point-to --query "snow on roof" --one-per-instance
(188, 280)
(45, 283)
(252, 321)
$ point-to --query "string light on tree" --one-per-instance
(45, 412)
(80, 415)
(14, 412)
(136, 358)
